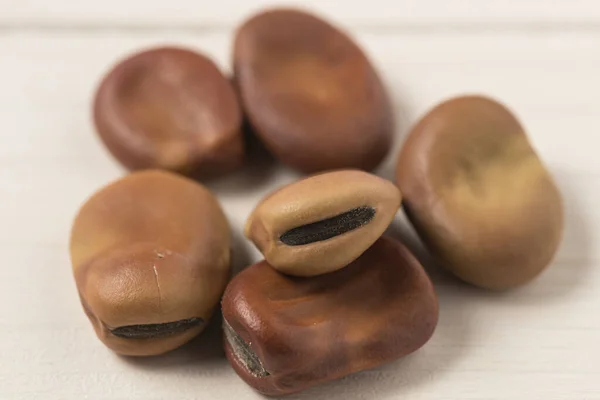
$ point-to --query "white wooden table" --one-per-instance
(542, 57)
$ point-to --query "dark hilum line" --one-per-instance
(244, 352)
(329, 228)
(150, 331)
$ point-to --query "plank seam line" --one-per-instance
(12, 27)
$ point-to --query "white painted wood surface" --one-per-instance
(539, 56)
(373, 13)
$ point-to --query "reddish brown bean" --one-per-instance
(310, 92)
(172, 109)
(284, 334)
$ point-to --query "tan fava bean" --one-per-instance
(151, 258)
(172, 109)
(310, 93)
(324, 222)
(479, 195)
(284, 334)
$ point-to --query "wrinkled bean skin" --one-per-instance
(284, 334)
(324, 222)
(310, 93)
(172, 109)
(479, 195)
(151, 258)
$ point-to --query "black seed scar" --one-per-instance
(328, 228)
(150, 331)
(243, 352)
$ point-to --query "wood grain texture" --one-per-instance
(538, 342)
(376, 14)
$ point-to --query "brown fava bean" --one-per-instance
(478, 194)
(172, 109)
(310, 93)
(324, 222)
(284, 334)
(151, 258)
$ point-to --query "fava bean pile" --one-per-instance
(333, 296)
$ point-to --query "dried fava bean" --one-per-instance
(151, 258)
(328, 228)
(310, 93)
(324, 222)
(172, 109)
(284, 334)
(478, 194)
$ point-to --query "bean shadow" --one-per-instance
(241, 255)
(402, 230)
(259, 166)
(259, 163)
(391, 381)
(402, 125)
